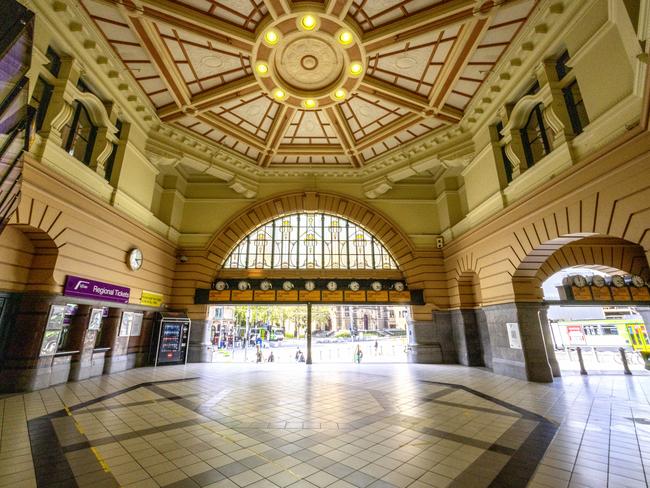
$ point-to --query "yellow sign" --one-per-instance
(621, 294)
(641, 294)
(151, 299)
(377, 296)
(399, 296)
(309, 296)
(355, 296)
(287, 296)
(264, 296)
(242, 295)
(219, 295)
(581, 293)
(332, 296)
(601, 293)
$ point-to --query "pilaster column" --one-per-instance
(200, 346)
(467, 338)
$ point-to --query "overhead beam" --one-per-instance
(436, 17)
(232, 130)
(209, 98)
(388, 130)
(469, 37)
(344, 134)
(282, 120)
(339, 8)
(179, 15)
(159, 56)
(310, 149)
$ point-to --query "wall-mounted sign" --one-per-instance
(136, 324)
(151, 299)
(56, 317)
(601, 293)
(95, 321)
(75, 286)
(581, 293)
(513, 335)
(641, 294)
(414, 297)
(310, 296)
(287, 296)
(242, 295)
(621, 294)
(264, 296)
(125, 324)
(377, 296)
(332, 296)
(355, 296)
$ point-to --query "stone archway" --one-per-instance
(226, 238)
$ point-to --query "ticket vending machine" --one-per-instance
(171, 338)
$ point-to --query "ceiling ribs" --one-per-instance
(388, 130)
(344, 134)
(438, 16)
(148, 36)
(178, 15)
(209, 98)
(283, 118)
(232, 130)
(340, 8)
(277, 8)
(469, 37)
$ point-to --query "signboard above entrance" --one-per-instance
(75, 286)
(410, 297)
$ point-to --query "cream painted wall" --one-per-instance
(481, 179)
(16, 254)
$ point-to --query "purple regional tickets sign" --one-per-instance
(76, 286)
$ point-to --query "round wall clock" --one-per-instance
(638, 281)
(399, 286)
(265, 285)
(134, 259)
(618, 281)
(332, 286)
(598, 281)
(354, 286)
(376, 285)
(579, 281)
(287, 286)
(310, 285)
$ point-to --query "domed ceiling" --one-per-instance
(334, 83)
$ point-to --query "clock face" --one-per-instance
(265, 285)
(243, 285)
(310, 285)
(354, 286)
(579, 281)
(598, 281)
(220, 285)
(618, 281)
(135, 259)
(376, 285)
(287, 286)
(331, 285)
(399, 286)
(637, 281)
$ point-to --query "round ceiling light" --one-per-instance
(339, 94)
(345, 38)
(262, 68)
(356, 68)
(271, 37)
(279, 94)
(308, 22)
(309, 103)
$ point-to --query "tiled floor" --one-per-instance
(337, 426)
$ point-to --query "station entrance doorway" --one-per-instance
(596, 321)
(306, 333)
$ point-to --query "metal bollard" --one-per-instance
(626, 368)
(581, 361)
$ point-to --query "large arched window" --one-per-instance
(310, 241)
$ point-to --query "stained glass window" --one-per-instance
(310, 241)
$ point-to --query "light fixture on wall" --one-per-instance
(183, 258)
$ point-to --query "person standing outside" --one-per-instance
(358, 354)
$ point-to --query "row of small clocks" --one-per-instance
(617, 281)
(309, 285)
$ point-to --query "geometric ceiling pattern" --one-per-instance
(198, 61)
